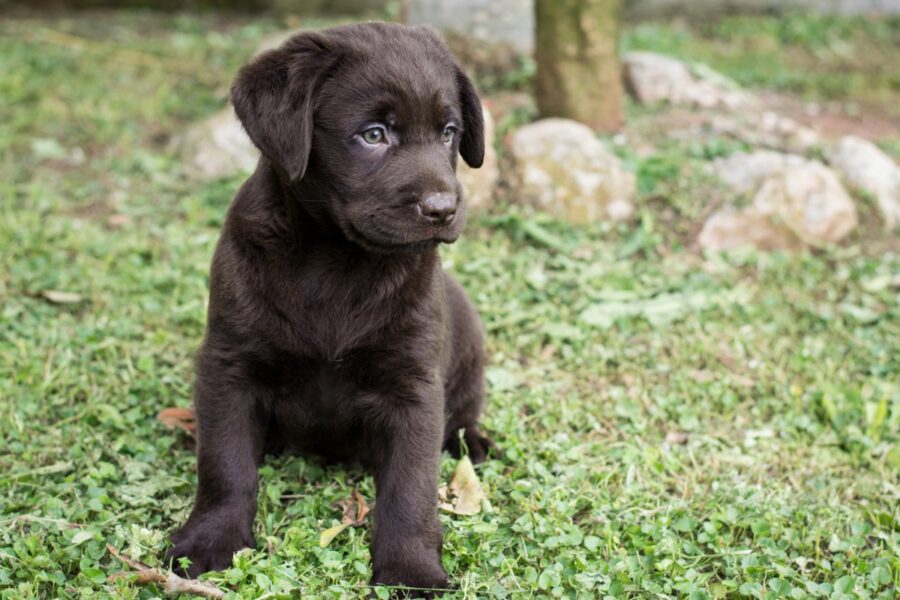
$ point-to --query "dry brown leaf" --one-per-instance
(743, 380)
(676, 437)
(117, 221)
(61, 297)
(464, 495)
(702, 376)
(181, 418)
(354, 510)
(727, 358)
(171, 583)
(583, 253)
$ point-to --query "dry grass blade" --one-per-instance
(61, 297)
(171, 583)
(329, 534)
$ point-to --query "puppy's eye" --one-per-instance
(374, 135)
(449, 134)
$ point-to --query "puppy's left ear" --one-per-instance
(471, 146)
(273, 97)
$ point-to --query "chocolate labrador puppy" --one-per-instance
(332, 327)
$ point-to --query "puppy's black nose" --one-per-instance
(438, 209)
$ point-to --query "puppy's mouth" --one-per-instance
(388, 243)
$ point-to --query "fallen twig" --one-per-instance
(171, 583)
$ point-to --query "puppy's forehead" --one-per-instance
(395, 70)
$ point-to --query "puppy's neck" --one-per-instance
(306, 215)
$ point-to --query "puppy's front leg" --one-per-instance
(407, 538)
(231, 429)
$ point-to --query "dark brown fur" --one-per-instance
(332, 328)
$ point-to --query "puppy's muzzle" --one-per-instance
(439, 209)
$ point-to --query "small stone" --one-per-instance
(216, 147)
(810, 200)
(867, 169)
(677, 438)
(560, 166)
(619, 209)
(479, 184)
(768, 130)
(117, 221)
(793, 134)
(730, 228)
(795, 206)
(743, 172)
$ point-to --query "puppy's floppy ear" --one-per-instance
(273, 97)
(471, 146)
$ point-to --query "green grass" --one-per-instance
(671, 426)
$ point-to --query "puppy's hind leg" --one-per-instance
(477, 445)
(464, 387)
(465, 400)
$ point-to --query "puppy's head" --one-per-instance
(366, 121)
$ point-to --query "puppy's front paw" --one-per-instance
(414, 581)
(208, 548)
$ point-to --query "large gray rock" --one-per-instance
(498, 22)
(867, 169)
(479, 184)
(655, 78)
(810, 200)
(767, 129)
(794, 206)
(743, 172)
(216, 147)
(733, 228)
(561, 167)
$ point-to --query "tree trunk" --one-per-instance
(578, 73)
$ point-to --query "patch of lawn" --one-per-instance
(671, 426)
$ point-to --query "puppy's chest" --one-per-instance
(317, 411)
(329, 325)
(328, 313)
(332, 407)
